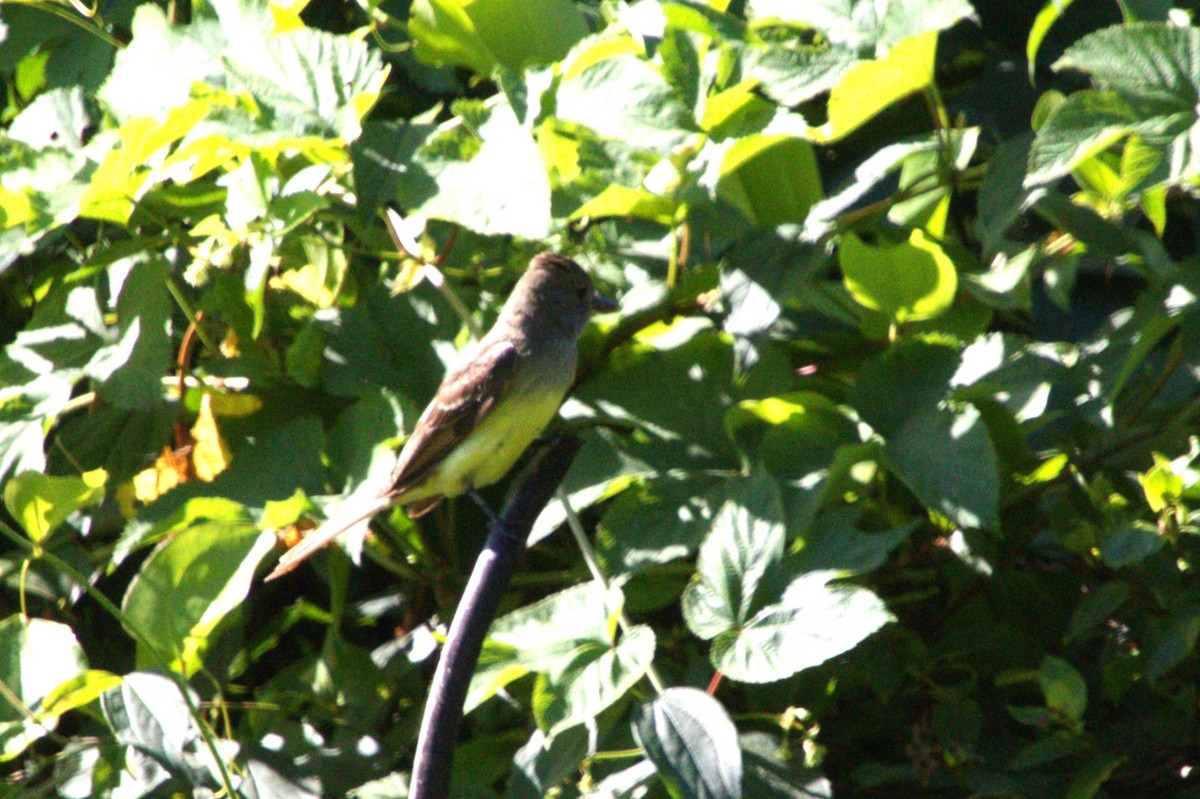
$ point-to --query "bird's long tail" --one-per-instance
(340, 522)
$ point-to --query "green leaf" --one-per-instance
(908, 282)
(132, 367)
(822, 219)
(546, 636)
(1150, 91)
(669, 390)
(1129, 544)
(55, 118)
(39, 656)
(792, 435)
(1176, 642)
(187, 587)
(310, 82)
(1087, 780)
(1095, 609)
(836, 543)
(625, 98)
(513, 34)
(655, 522)
(1161, 485)
(148, 712)
(500, 189)
(621, 201)
(746, 538)
(791, 76)
(593, 679)
(812, 622)
(772, 179)
(1050, 13)
(775, 769)
(301, 81)
(126, 173)
(41, 503)
(759, 636)
(947, 458)
(157, 70)
(692, 742)
(869, 87)
(1063, 687)
(864, 24)
(910, 377)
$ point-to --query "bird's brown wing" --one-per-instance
(462, 401)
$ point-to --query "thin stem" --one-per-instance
(593, 564)
(186, 306)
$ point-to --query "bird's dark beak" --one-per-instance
(602, 303)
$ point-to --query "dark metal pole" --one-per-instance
(506, 541)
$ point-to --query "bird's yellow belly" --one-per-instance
(494, 446)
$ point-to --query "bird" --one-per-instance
(488, 409)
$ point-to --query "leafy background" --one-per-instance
(890, 452)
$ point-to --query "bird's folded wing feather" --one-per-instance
(465, 398)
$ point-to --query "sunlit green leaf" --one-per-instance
(39, 657)
(188, 586)
(871, 86)
(41, 503)
(910, 281)
(692, 741)
(511, 33)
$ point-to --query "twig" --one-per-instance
(593, 563)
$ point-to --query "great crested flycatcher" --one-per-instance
(491, 407)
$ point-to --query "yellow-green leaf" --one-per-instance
(910, 281)
(41, 503)
(869, 87)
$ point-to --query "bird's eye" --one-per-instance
(583, 293)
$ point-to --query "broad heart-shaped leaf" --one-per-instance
(871, 86)
(1150, 91)
(507, 33)
(148, 712)
(36, 657)
(502, 189)
(864, 24)
(544, 637)
(759, 637)
(911, 376)
(310, 82)
(947, 458)
(594, 678)
(41, 503)
(624, 97)
(692, 742)
(811, 622)
(156, 71)
(302, 81)
(908, 282)
(771, 178)
(132, 366)
(187, 587)
(745, 539)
